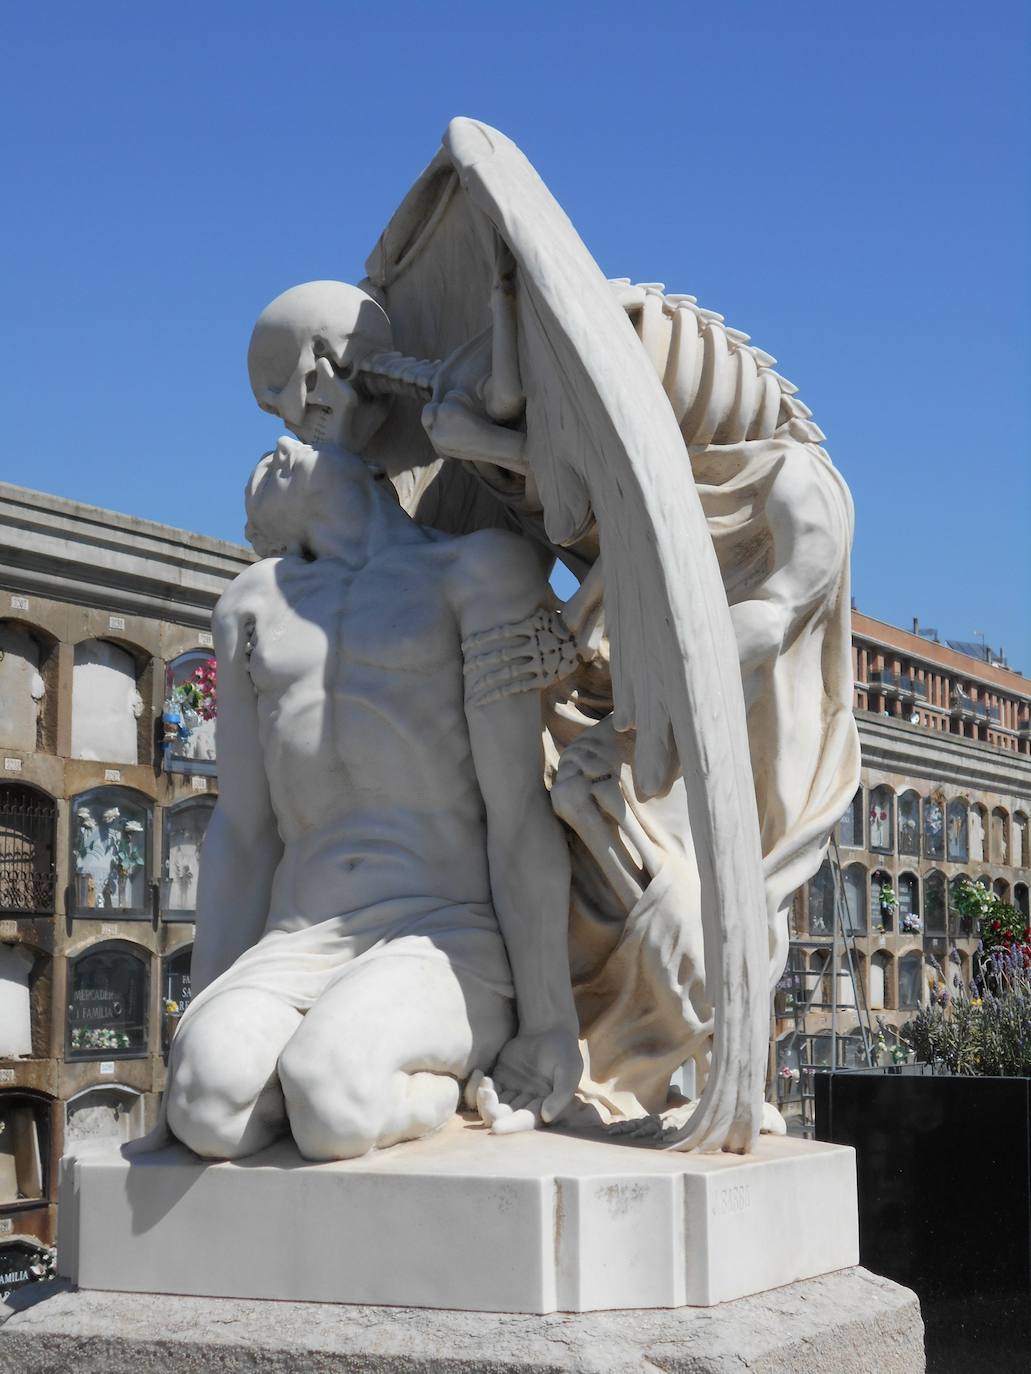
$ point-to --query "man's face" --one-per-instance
(276, 499)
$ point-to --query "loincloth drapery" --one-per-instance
(300, 966)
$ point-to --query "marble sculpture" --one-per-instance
(470, 840)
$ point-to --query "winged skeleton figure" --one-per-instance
(696, 689)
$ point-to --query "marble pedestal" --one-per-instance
(532, 1223)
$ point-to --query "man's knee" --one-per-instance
(222, 1087)
(337, 1101)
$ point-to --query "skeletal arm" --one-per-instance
(242, 846)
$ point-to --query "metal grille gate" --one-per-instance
(26, 850)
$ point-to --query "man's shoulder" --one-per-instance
(499, 553)
(248, 588)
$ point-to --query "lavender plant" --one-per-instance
(983, 1028)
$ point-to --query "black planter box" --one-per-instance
(944, 1202)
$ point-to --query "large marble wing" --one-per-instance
(608, 461)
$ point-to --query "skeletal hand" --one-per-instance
(532, 1083)
(526, 656)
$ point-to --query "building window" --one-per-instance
(934, 829)
(855, 899)
(24, 1148)
(911, 980)
(821, 901)
(1021, 841)
(909, 823)
(175, 992)
(27, 824)
(190, 711)
(1000, 836)
(107, 1006)
(106, 705)
(934, 903)
(185, 826)
(882, 820)
(958, 848)
(850, 827)
(110, 838)
(881, 916)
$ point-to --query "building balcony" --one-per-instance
(913, 687)
(898, 684)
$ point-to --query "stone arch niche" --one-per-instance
(935, 922)
(1001, 888)
(1021, 841)
(28, 695)
(190, 712)
(911, 980)
(821, 900)
(881, 917)
(854, 880)
(185, 825)
(960, 927)
(957, 845)
(110, 836)
(909, 823)
(108, 990)
(934, 827)
(850, 827)
(24, 1149)
(908, 892)
(176, 991)
(106, 703)
(881, 820)
(1000, 850)
(880, 984)
(110, 1111)
(977, 821)
(26, 999)
(28, 820)
(1021, 900)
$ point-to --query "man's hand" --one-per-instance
(533, 1082)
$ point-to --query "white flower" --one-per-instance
(134, 827)
(110, 815)
(85, 818)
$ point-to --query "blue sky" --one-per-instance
(848, 184)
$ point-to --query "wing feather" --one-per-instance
(603, 444)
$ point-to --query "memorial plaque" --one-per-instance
(6, 1075)
(8, 928)
(116, 622)
(19, 603)
(12, 765)
(16, 1263)
(112, 775)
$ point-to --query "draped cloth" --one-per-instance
(780, 518)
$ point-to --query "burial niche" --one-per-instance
(111, 1112)
(107, 1003)
(24, 1148)
(184, 826)
(106, 704)
(110, 840)
(176, 992)
(190, 711)
(27, 824)
(22, 688)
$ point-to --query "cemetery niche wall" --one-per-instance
(184, 828)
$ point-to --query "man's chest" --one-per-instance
(334, 624)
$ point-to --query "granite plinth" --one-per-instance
(538, 1222)
(850, 1322)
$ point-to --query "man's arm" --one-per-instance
(499, 580)
(242, 846)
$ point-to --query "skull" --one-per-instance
(304, 355)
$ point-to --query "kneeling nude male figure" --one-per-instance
(384, 891)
